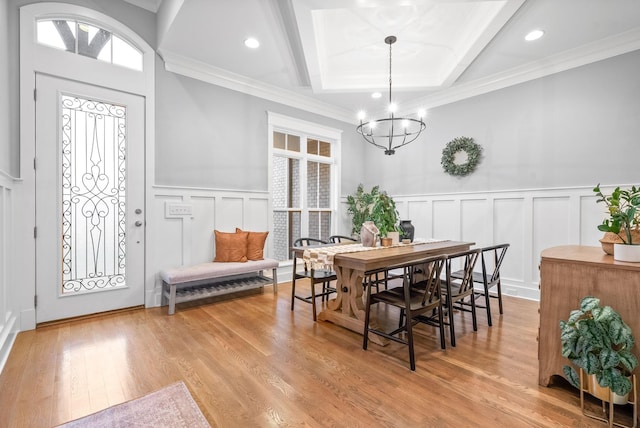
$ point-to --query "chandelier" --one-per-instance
(391, 132)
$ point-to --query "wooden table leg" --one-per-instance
(347, 309)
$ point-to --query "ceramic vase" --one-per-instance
(369, 234)
(407, 229)
(626, 253)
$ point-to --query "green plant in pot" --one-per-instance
(623, 208)
(385, 215)
(359, 206)
(596, 339)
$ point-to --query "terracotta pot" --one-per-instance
(386, 242)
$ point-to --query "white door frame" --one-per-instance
(46, 60)
(59, 247)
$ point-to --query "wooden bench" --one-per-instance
(187, 283)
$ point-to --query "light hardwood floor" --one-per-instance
(251, 362)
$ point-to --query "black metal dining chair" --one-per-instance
(315, 276)
(457, 288)
(419, 300)
(489, 277)
(337, 239)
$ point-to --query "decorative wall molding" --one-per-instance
(176, 63)
(530, 220)
(563, 61)
(5, 176)
(597, 51)
(8, 326)
(176, 239)
(150, 5)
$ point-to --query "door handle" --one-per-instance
(138, 223)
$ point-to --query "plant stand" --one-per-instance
(608, 417)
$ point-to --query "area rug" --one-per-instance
(171, 406)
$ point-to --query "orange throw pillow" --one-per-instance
(231, 247)
(255, 244)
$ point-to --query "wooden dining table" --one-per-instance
(347, 309)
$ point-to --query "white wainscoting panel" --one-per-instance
(8, 292)
(591, 213)
(174, 240)
(508, 226)
(473, 212)
(254, 216)
(419, 212)
(202, 225)
(229, 211)
(529, 220)
(446, 219)
(551, 226)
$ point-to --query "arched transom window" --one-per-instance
(88, 40)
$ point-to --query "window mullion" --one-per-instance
(304, 221)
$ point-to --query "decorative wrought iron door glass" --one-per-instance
(93, 195)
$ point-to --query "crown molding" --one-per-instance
(563, 61)
(603, 49)
(199, 70)
(150, 5)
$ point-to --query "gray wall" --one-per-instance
(5, 110)
(574, 128)
(206, 136)
(209, 136)
(551, 132)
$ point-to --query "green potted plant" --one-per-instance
(359, 206)
(597, 340)
(623, 207)
(385, 215)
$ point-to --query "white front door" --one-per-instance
(89, 199)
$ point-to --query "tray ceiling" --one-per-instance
(328, 56)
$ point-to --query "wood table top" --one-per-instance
(582, 254)
(370, 260)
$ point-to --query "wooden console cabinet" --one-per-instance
(569, 273)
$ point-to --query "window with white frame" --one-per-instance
(88, 40)
(304, 171)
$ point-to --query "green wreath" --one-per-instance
(464, 144)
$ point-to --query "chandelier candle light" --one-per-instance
(391, 132)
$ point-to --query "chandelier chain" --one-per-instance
(390, 44)
(391, 133)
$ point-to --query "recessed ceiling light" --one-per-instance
(251, 43)
(376, 95)
(534, 35)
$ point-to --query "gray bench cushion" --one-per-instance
(211, 270)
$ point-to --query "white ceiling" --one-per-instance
(328, 56)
